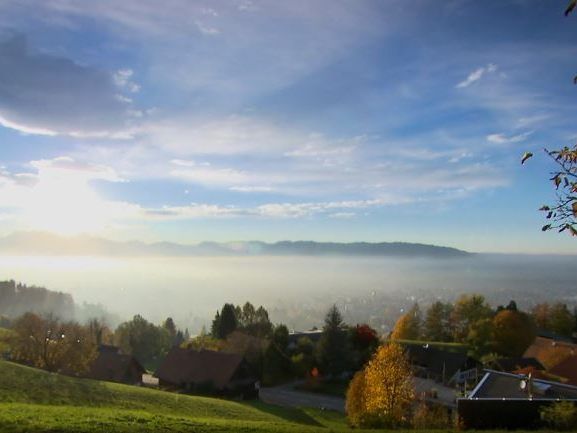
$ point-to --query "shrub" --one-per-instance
(430, 417)
(560, 416)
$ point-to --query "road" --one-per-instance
(287, 396)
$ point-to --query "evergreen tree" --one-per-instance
(215, 326)
(333, 348)
(228, 322)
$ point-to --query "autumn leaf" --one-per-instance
(527, 155)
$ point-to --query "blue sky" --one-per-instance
(334, 120)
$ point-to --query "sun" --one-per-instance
(65, 206)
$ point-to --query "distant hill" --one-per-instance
(41, 243)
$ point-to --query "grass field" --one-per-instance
(452, 347)
(4, 333)
(36, 401)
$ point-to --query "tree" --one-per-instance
(356, 405)
(381, 394)
(364, 342)
(408, 327)
(52, 345)
(333, 350)
(513, 332)
(555, 318)
(99, 332)
(145, 341)
(277, 365)
(215, 326)
(541, 313)
(468, 310)
(480, 337)
(562, 216)
(437, 326)
(561, 320)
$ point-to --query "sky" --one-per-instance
(332, 120)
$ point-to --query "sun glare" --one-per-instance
(66, 205)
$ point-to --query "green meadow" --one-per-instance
(32, 400)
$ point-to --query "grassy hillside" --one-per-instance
(36, 401)
(4, 334)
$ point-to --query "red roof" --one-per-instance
(567, 369)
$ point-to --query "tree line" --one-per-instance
(504, 331)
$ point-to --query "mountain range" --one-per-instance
(42, 243)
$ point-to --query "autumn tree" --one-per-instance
(561, 321)
(437, 324)
(381, 394)
(562, 216)
(480, 338)
(513, 332)
(99, 332)
(468, 310)
(364, 341)
(408, 327)
(541, 313)
(52, 345)
(356, 404)
(555, 318)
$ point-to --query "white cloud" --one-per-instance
(476, 75)
(123, 79)
(504, 139)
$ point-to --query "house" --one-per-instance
(113, 366)
(314, 335)
(206, 371)
(566, 369)
(510, 401)
(550, 351)
(442, 366)
(515, 364)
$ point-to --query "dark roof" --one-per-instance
(567, 369)
(500, 385)
(190, 366)
(513, 364)
(114, 366)
(106, 348)
(439, 362)
(313, 335)
(553, 336)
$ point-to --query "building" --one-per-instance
(566, 370)
(440, 365)
(206, 372)
(510, 401)
(113, 366)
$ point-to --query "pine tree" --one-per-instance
(333, 349)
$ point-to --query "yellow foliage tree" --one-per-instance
(382, 393)
(408, 327)
(356, 403)
(52, 345)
